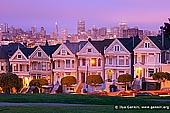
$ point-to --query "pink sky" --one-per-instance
(146, 14)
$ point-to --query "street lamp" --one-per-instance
(92, 62)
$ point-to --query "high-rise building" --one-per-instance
(56, 30)
(43, 32)
(80, 26)
(115, 32)
(102, 31)
(34, 30)
(122, 26)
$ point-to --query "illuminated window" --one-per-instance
(93, 61)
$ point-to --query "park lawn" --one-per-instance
(78, 99)
(78, 109)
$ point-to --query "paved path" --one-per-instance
(161, 100)
(43, 104)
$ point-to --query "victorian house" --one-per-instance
(41, 62)
(148, 57)
(65, 63)
(19, 63)
(119, 59)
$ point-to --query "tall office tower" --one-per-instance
(80, 26)
(115, 32)
(43, 32)
(95, 32)
(122, 26)
(102, 31)
(56, 30)
(6, 27)
(34, 30)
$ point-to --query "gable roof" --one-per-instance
(27, 51)
(158, 42)
(49, 50)
(73, 47)
(6, 51)
(100, 45)
(130, 43)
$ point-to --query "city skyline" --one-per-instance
(25, 14)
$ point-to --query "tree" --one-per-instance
(93, 80)
(68, 80)
(125, 78)
(161, 76)
(38, 83)
(8, 81)
(166, 28)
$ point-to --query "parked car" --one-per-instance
(99, 92)
(143, 94)
(163, 91)
(127, 93)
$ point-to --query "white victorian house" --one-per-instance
(20, 64)
(119, 60)
(41, 63)
(147, 60)
(65, 63)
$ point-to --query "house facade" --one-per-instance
(147, 60)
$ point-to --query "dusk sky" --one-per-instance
(146, 14)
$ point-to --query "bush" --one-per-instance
(68, 80)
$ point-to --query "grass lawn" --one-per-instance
(108, 103)
(78, 99)
(101, 109)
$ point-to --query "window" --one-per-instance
(121, 60)
(127, 60)
(99, 62)
(63, 52)
(2, 68)
(67, 63)
(39, 66)
(135, 59)
(93, 62)
(110, 60)
(49, 66)
(39, 54)
(43, 65)
(72, 63)
(146, 45)
(15, 67)
(150, 72)
(83, 62)
(58, 62)
(21, 67)
(19, 56)
(89, 50)
(121, 72)
(116, 48)
(151, 58)
(143, 59)
(27, 67)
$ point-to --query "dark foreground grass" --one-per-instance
(77, 99)
(97, 109)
